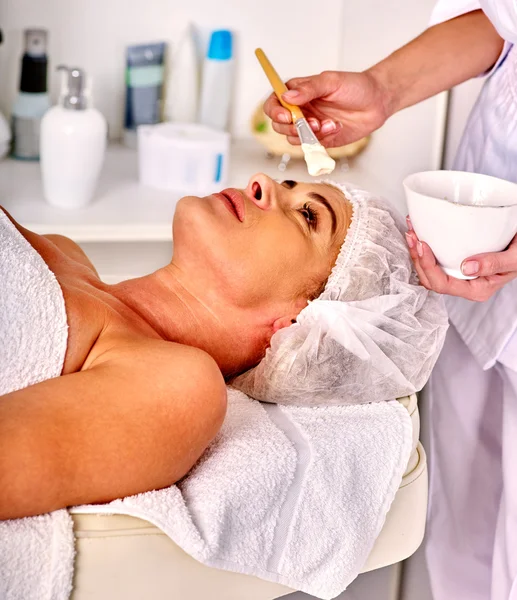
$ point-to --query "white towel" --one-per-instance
(36, 554)
(295, 495)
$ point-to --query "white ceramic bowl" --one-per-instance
(461, 214)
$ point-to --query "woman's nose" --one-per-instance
(261, 190)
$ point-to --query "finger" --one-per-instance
(436, 276)
(501, 279)
(303, 91)
(284, 129)
(291, 132)
(315, 124)
(329, 127)
(297, 81)
(340, 137)
(422, 277)
(275, 111)
(480, 289)
(291, 129)
(412, 240)
(333, 140)
(294, 140)
(492, 263)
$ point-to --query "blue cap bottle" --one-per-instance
(217, 82)
(220, 47)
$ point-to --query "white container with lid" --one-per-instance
(72, 145)
(185, 158)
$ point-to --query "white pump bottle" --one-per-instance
(72, 145)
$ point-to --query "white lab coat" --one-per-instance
(472, 527)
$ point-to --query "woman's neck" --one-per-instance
(170, 303)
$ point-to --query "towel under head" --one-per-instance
(293, 495)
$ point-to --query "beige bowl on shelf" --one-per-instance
(276, 144)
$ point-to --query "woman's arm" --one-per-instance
(440, 58)
(132, 423)
(343, 107)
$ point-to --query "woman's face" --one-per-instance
(269, 243)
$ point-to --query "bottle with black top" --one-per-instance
(33, 99)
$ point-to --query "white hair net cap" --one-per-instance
(373, 334)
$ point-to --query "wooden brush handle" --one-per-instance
(279, 86)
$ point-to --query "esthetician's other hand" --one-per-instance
(341, 107)
(495, 269)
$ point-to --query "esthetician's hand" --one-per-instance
(494, 269)
(341, 107)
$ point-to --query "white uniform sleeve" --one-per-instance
(445, 10)
(503, 14)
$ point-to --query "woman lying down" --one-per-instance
(294, 292)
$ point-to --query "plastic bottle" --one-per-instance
(73, 144)
(217, 83)
(33, 100)
(5, 132)
(144, 88)
(182, 88)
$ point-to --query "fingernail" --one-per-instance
(291, 95)
(409, 240)
(283, 118)
(420, 249)
(315, 125)
(409, 224)
(328, 127)
(470, 268)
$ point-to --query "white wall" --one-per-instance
(463, 97)
(94, 33)
(413, 138)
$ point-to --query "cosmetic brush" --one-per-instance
(316, 157)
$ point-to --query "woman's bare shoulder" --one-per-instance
(71, 249)
(136, 420)
(40, 243)
(179, 366)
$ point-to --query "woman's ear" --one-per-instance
(283, 322)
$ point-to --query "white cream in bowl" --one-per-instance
(461, 214)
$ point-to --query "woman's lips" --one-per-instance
(234, 202)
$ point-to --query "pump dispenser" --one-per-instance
(33, 99)
(73, 144)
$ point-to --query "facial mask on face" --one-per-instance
(373, 334)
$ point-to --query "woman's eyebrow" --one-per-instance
(322, 200)
(289, 183)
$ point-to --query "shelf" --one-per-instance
(124, 211)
